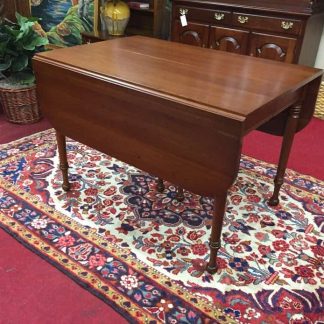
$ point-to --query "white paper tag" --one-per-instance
(183, 20)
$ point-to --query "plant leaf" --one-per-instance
(25, 78)
(18, 43)
(19, 63)
(6, 64)
(12, 31)
(3, 47)
(20, 19)
(35, 41)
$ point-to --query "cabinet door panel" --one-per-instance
(228, 39)
(273, 47)
(192, 34)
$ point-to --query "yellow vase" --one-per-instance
(116, 15)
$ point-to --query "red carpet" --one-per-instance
(307, 154)
(30, 286)
(31, 291)
(10, 132)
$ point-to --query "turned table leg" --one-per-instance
(61, 145)
(160, 185)
(288, 138)
(215, 237)
(180, 195)
(160, 188)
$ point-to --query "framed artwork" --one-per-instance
(65, 20)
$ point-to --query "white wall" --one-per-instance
(320, 54)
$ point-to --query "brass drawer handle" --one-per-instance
(287, 25)
(242, 19)
(183, 11)
(219, 16)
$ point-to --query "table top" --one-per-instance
(218, 82)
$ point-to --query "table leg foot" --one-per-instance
(217, 224)
(66, 187)
(273, 201)
(160, 185)
(211, 270)
(180, 195)
(212, 265)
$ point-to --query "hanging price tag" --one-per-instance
(183, 20)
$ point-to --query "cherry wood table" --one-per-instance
(173, 110)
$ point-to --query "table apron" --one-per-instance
(194, 149)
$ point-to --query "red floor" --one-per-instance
(9, 132)
(33, 291)
(307, 153)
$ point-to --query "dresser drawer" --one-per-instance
(273, 24)
(220, 17)
(203, 15)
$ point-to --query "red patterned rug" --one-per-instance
(144, 253)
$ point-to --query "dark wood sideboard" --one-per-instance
(287, 31)
(8, 8)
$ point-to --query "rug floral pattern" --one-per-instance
(270, 263)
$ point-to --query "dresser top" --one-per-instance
(304, 7)
(225, 84)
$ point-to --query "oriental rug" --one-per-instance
(144, 253)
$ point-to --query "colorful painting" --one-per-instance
(64, 20)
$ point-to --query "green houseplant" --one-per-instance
(18, 43)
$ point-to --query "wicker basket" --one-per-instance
(20, 105)
(319, 110)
